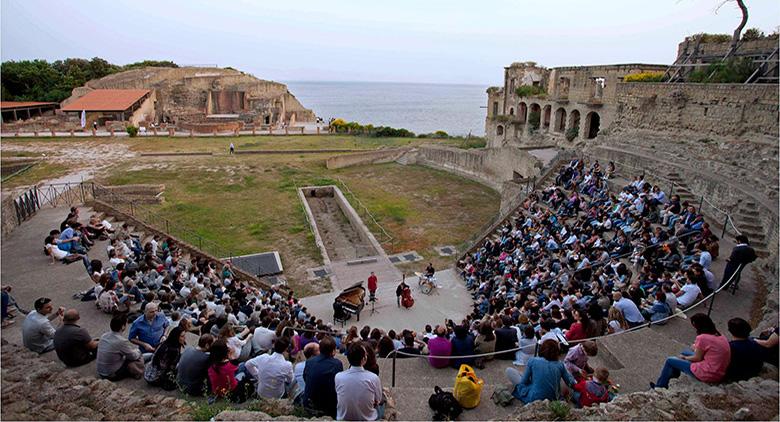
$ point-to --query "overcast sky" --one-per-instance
(441, 41)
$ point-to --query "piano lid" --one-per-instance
(358, 285)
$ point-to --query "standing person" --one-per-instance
(359, 392)
(232, 148)
(117, 358)
(319, 376)
(37, 329)
(372, 285)
(74, 345)
(708, 361)
(742, 254)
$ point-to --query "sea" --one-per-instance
(419, 107)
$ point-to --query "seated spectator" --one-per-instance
(439, 346)
(484, 343)
(506, 339)
(629, 309)
(371, 364)
(527, 344)
(273, 374)
(386, 346)
(768, 341)
(542, 376)
(263, 337)
(319, 375)
(617, 323)
(222, 374)
(37, 329)
(462, 345)
(411, 346)
(358, 392)
(746, 355)
(66, 257)
(147, 330)
(576, 360)
(193, 368)
(659, 309)
(689, 293)
(162, 372)
(594, 390)
(708, 361)
(311, 350)
(74, 345)
(117, 358)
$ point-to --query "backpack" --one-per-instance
(444, 405)
(502, 396)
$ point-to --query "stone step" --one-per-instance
(754, 235)
(749, 220)
(417, 372)
(412, 404)
(749, 213)
(750, 227)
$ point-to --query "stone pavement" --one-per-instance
(452, 301)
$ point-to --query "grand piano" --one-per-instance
(349, 302)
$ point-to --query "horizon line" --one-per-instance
(385, 82)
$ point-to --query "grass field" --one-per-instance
(248, 203)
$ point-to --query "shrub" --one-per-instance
(711, 38)
(730, 71)
(132, 131)
(529, 91)
(644, 77)
(572, 132)
(752, 34)
(534, 118)
(560, 410)
(440, 134)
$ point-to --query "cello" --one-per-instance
(406, 297)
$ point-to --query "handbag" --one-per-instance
(468, 387)
(444, 405)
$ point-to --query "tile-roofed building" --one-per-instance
(16, 110)
(117, 100)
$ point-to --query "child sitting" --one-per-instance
(594, 390)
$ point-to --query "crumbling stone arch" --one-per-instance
(546, 112)
(560, 120)
(522, 112)
(592, 125)
(574, 124)
(511, 111)
(534, 117)
(499, 130)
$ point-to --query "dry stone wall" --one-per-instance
(718, 110)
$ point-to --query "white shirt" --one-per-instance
(263, 339)
(359, 392)
(690, 293)
(273, 374)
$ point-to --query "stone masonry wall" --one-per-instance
(720, 110)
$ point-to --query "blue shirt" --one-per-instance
(542, 380)
(149, 332)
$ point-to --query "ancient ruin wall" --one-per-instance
(719, 110)
(186, 93)
(364, 158)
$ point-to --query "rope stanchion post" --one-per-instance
(395, 354)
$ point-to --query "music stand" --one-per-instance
(372, 300)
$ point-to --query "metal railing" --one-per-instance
(58, 194)
(711, 297)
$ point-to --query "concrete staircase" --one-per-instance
(681, 188)
(747, 221)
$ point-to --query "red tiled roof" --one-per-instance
(9, 105)
(107, 100)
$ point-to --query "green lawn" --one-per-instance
(249, 203)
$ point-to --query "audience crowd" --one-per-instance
(577, 262)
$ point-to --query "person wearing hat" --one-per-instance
(37, 329)
(73, 344)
